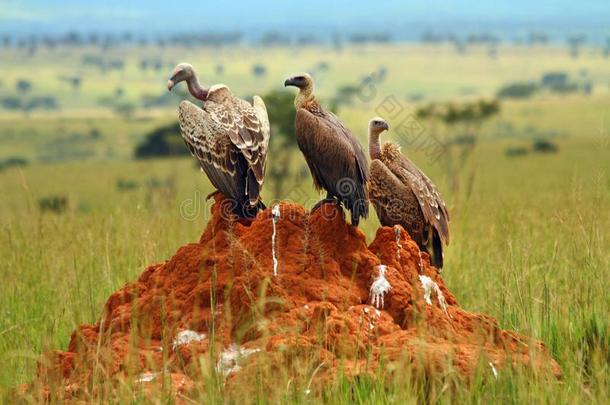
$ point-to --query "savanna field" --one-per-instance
(80, 216)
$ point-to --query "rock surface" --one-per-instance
(220, 298)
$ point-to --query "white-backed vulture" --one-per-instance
(228, 136)
(403, 195)
(335, 157)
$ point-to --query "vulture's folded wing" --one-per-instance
(392, 199)
(359, 154)
(430, 201)
(239, 121)
(334, 162)
(330, 157)
(261, 112)
(216, 155)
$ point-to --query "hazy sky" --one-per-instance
(255, 16)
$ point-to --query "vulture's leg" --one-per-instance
(328, 200)
(355, 219)
(211, 195)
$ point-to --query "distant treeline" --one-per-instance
(553, 82)
(272, 38)
(193, 39)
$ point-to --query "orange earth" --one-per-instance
(219, 299)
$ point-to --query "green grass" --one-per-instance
(529, 247)
(530, 235)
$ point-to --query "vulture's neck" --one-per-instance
(374, 145)
(195, 88)
(304, 96)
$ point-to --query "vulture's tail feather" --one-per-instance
(437, 251)
(355, 218)
(246, 210)
(359, 205)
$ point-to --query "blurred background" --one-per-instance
(505, 105)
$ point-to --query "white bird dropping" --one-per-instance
(185, 337)
(146, 377)
(275, 212)
(380, 287)
(428, 284)
(230, 358)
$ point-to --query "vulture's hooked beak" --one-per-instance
(293, 81)
(176, 77)
(386, 126)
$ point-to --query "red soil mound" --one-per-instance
(221, 294)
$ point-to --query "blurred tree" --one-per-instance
(541, 145)
(259, 70)
(42, 102)
(23, 85)
(116, 64)
(537, 38)
(49, 42)
(274, 38)
(73, 81)
(462, 126)
(73, 38)
(125, 109)
(280, 108)
(127, 37)
(323, 66)
(163, 141)
(95, 133)
(11, 103)
(94, 39)
(13, 161)
(518, 90)
(575, 42)
(55, 203)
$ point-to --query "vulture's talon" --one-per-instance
(211, 195)
(322, 202)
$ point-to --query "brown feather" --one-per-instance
(403, 195)
(334, 156)
(230, 139)
(432, 205)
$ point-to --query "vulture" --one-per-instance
(229, 137)
(335, 158)
(403, 195)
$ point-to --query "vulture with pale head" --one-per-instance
(335, 157)
(403, 195)
(228, 136)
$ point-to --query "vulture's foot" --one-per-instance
(327, 200)
(211, 195)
